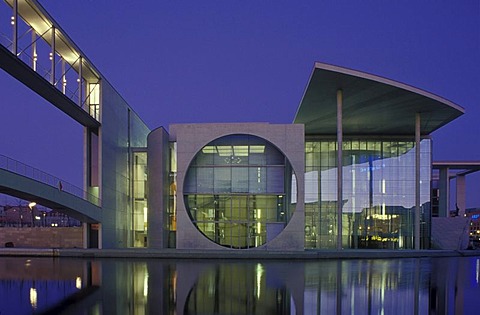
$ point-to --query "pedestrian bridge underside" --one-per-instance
(52, 197)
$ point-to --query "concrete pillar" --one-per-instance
(461, 195)
(339, 168)
(417, 181)
(158, 169)
(85, 231)
(443, 193)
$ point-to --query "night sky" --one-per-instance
(248, 61)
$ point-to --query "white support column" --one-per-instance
(339, 168)
(417, 182)
(52, 57)
(14, 22)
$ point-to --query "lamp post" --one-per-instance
(31, 205)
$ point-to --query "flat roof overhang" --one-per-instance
(372, 105)
(457, 167)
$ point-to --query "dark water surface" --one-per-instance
(153, 286)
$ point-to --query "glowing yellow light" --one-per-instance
(33, 298)
(78, 283)
(240, 150)
(145, 285)
(257, 148)
(259, 273)
(225, 150)
(209, 149)
(32, 204)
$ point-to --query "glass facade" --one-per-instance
(237, 191)
(172, 200)
(140, 199)
(378, 193)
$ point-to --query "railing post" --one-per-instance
(15, 27)
(52, 57)
(64, 79)
(34, 50)
(80, 94)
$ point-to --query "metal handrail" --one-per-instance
(25, 170)
(27, 59)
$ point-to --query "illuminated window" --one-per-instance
(238, 191)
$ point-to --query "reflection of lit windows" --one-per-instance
(33, 298)
(258, 274)
(478, 271)
(145, 285)
(78, 283)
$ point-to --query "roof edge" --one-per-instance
(383, 80)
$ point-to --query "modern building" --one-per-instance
(353, 170)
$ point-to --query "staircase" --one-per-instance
(450, 233)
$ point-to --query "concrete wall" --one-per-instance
(43, 237)
(121, 130)
(289, 139)
(158, 188)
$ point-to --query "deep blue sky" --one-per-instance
(248, 61)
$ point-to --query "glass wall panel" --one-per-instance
(240, 179)
(204, 179)
(378, 193)
(235, 186)
(172, 200)
(139, 199)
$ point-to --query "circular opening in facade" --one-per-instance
(238, 191)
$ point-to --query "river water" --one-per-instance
(155, 286)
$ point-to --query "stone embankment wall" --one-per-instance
(42, 237)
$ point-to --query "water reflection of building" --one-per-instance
(113, 286)
(402, 286)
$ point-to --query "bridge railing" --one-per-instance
(22, 169)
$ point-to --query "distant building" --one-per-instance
(474, 215)
(23, 216)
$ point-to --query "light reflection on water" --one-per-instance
(113, 286)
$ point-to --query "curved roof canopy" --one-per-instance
(372, 105)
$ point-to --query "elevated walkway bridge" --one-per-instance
(28, 183)
(36, 51)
